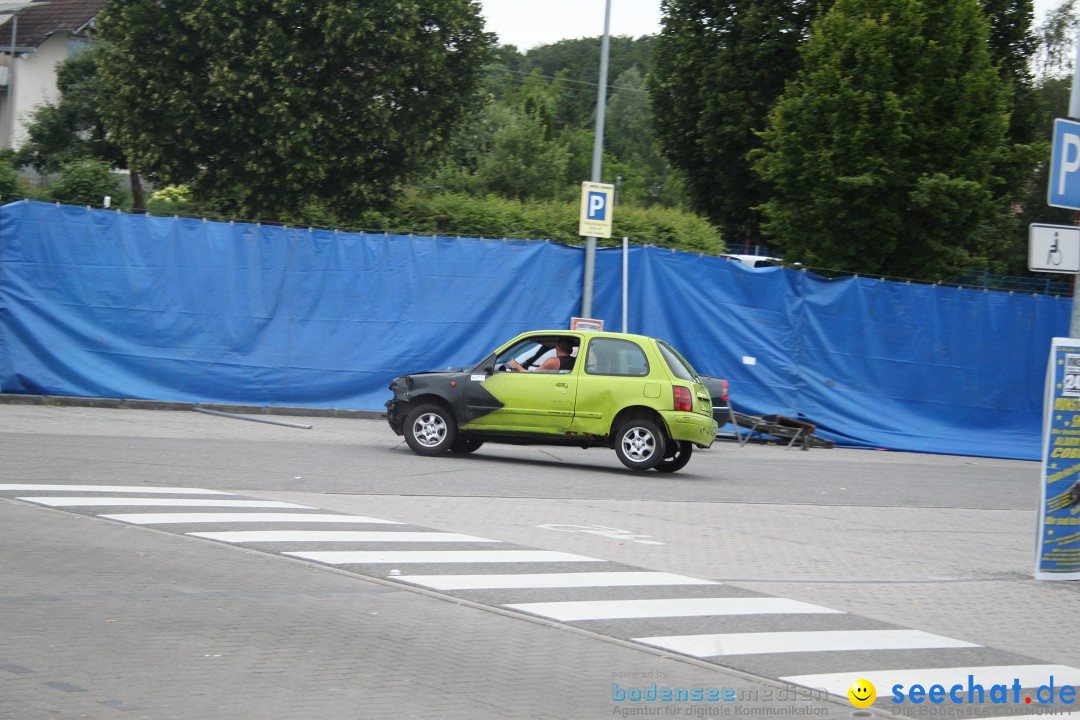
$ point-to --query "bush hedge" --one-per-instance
(490, 216)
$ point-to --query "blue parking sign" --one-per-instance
(1064, 190)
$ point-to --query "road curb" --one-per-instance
(134, 404)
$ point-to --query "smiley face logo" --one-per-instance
(862, 693)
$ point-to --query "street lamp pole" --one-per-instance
(597, 158)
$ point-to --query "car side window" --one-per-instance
(680, 368)
(520, 352)
(610, 356)
(531, 353)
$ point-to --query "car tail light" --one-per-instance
(683, 399)
(724, 395)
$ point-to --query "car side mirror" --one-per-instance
(489, 369)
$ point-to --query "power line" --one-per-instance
(591, 85)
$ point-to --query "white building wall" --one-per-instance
(35, 80)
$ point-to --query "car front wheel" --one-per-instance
(640, 445)
(430, 430)
(678, 455)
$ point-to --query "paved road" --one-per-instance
(365, 457)
(875, 561)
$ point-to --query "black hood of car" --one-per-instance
(443, 371)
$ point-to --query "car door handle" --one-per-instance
(561, 385)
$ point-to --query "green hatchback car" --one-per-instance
(633, 393)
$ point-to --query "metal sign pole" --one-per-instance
(625, 279)
(1074, 112)
(1074, 318)
(597, 159)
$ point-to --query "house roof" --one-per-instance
(38, 22)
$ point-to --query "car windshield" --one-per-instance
(679, 367)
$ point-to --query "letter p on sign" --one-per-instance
(1064, 191)
(597, 200)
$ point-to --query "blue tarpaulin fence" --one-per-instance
(103, 304)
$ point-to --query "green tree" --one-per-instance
(262, 106)
(882, 150)
(505, 150)
(1012, 46)
(87, 182)
(719, 67)
(525, 144)
(525, 162)
(646, 174)
(1011, 41)
(576, 64)
(10, 182)
(1045, 97)
(1054, 95)
(72, 128)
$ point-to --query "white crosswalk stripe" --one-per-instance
(551, 580)
(112, 489)
(758, 643)
(242, 517)
(338, 536)
(158, 502)
(361, 557)
(668, 607)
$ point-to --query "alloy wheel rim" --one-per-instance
(638, 444)
(429, 429)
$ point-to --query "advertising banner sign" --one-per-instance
(580, 323)
(1057, 555)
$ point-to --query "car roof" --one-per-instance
(588, 334)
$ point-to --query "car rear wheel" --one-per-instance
(430, 430)
(639, 444)
(465, 445)
(678, 455)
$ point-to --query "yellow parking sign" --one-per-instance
(596, 209)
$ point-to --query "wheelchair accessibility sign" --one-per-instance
(1054, 248)
(596, 209)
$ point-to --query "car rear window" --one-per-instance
(679, 367)
(610, 356)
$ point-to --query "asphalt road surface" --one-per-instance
(514, 582)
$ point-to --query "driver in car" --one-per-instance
(562, 361)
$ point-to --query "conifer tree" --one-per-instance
(882, 151)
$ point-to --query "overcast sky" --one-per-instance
(1042, 6)
(527, 23)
